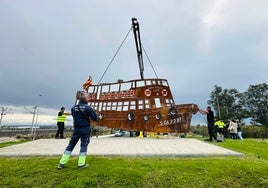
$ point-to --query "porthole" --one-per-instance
(158, 116)
(130, 116)
(101, 116)
(173, 111)
(146, 117)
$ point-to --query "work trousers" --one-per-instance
(211, 131)
(82, 133)
(60, 129)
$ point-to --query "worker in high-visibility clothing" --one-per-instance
(61, 122)
(220, 125)
(82, 115)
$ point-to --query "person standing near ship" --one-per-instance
(82, 114)
(61, 122)
(210, 122)
(233, 129)
(239, 130)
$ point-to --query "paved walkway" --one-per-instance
(122, 146)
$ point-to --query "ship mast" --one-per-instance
(136, 31)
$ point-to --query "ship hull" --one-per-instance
(162, 120)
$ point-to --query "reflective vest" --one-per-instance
(61, 118)
(220, 124)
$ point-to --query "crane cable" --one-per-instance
(117, 53)
(149, 60)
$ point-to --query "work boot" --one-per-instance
(60, 166)
(82, 166)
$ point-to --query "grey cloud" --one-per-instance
(50, 48)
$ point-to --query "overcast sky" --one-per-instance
(49, 48)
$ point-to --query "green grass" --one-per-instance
(5, 144)
(251, 147)
(248, 171)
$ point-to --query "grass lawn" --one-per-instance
(248, 171)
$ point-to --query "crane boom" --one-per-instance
(136, 31)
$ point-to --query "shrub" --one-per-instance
(253, 131)
(248, 131)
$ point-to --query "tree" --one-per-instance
(227, 104)
(255, 100)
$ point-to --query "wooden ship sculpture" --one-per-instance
(144, 104)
